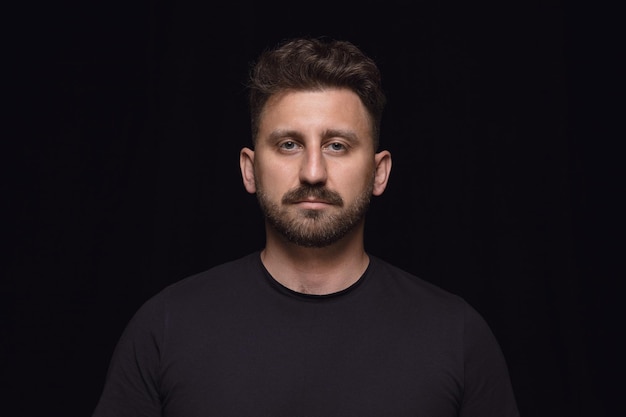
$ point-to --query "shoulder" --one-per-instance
(411, 286)
(220, 282)
(442, 309)
(420, 297)
(230, 273)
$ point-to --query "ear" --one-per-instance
(246, 163)
(382, 171)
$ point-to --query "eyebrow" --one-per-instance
(341, 133)
(328, 133)
(284, 133)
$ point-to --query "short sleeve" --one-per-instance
(132, 384)
(488, 391)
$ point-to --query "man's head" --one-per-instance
(310, 64)
(316, 108)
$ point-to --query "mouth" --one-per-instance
(313, 197)
(312, 204)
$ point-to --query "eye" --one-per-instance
(288, 145)
(336, 146)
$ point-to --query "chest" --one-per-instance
(323, 362)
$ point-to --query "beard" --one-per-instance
(314, 228)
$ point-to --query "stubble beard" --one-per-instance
(314, 228)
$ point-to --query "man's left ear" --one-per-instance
(382, 171)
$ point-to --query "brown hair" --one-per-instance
(315, 64)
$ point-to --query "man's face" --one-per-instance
(314, 165)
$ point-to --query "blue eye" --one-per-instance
(336, 146)
(288, 145)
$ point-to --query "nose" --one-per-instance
(313, 168)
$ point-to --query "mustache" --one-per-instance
(318, 192)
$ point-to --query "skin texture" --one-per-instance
(314, 169)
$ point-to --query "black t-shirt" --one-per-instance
(232, 341)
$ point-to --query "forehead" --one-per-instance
(336, 108)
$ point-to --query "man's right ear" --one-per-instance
(246, 163)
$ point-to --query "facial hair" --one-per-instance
(314, 228)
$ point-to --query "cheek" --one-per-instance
(352, 182)
(273, 181)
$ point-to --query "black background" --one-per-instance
(124, 125)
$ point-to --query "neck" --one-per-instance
(316, 270)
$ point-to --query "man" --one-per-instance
(311, 325)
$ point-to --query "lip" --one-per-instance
(312, 204)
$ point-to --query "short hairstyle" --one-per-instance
(313, 64)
